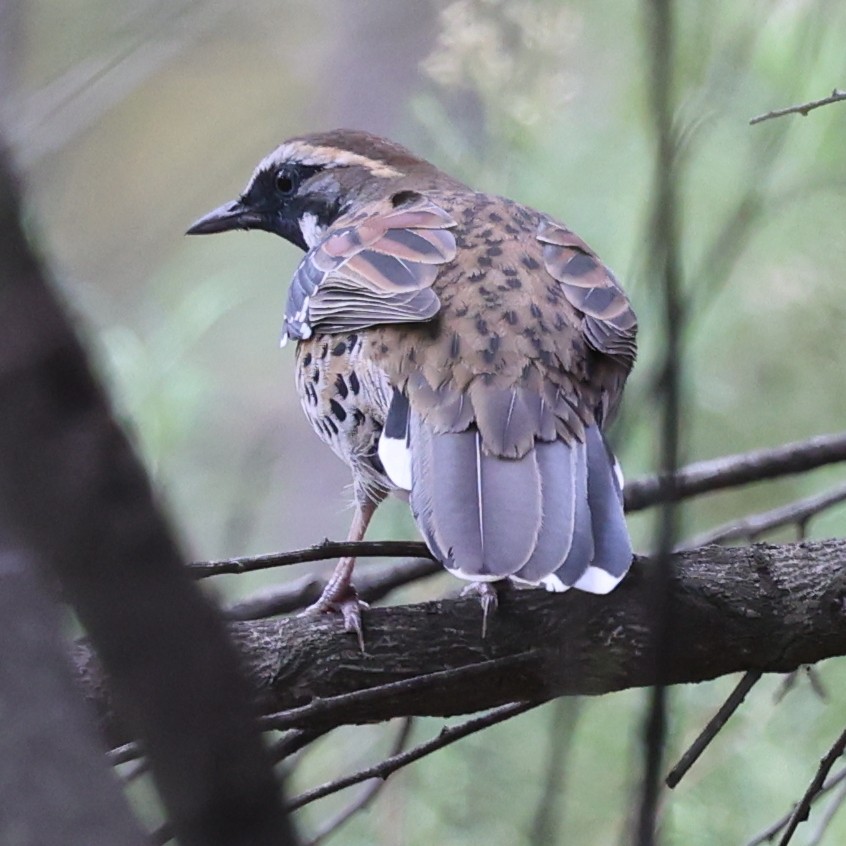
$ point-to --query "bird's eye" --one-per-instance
(286, 181)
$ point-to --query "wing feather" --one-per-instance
(374, 267)
(609, 324)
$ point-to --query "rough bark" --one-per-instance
(770, 607)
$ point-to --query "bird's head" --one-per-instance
(308, 182)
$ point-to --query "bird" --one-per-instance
(455, 348)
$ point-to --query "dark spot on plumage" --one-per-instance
(352, 340)
(510, 317)
(454, 346)
(511, 230)
(337, 410)
(535, 310)
(486, 233)
(330, 427)
(383, 349)
(315, 375)
(560, 322)
(493, 217)
(358, 417)
(532, 336)
(341, 386)
(352, 236)
(311, 394)
(485, 292)
(340, 348)
(461, 311)
(412, 355)
(403, 197)
(580, 265)
(514, 282)
(546, 357)
(307, 359)
(484, 261)
(530, 263)
(493, 347)
(481, 325)
(355, 385)
(477, 274)
(508, 271)
(324, 350)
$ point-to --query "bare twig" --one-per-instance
(772, 830)
(828, 815)
(395, 762)
(734, 470)
(752, 527)
(123, 754)
(319, 552)
(802, 108)
(301, 592)
(366, 796)
(293, 741)
(713, 727)
(664, 246)
(801, 811)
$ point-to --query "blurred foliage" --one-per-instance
(132, 119)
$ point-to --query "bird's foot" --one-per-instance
(344, 602)
(487, 595)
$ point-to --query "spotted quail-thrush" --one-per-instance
(455, 348)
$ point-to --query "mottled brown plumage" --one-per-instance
(454, 346)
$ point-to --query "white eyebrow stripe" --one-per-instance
(325, 157)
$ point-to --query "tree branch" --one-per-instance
(802, 108)
(767, 607)
(733, 470)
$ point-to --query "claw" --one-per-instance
(348, 605)
(486, 593)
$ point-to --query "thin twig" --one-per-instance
(773, 829)
(801, 811)
(802, 108)
(122, 754)
(827, 816)
(734, 470)
(714, 725)
(299, 593)
(366, 796)
(395, 762)
(664, 247)
(319, 552)
(752, 527)
(329, 706)
(293, 741)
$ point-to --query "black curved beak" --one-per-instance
(234, 215)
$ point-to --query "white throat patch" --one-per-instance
(311, 229)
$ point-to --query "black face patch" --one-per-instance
(275, 194)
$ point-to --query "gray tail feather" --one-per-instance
(554, 516)
(613, 552)
(480, 514)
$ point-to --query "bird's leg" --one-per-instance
(339, 595)
(487, 595)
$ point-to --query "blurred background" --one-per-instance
(131, 119)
